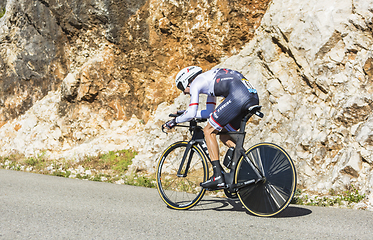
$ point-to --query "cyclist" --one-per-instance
(239, 95)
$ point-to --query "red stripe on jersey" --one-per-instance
(216, 121)
(193, 104)
(211, 103)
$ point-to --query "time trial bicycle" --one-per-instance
(263, 178)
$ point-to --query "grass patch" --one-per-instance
(65, 174)
(109, 167)
(344, 198)
(140, 180)
(117, 161)
(39, 162)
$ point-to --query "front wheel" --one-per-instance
(271, 196)
(181, 191)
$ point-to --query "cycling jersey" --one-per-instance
(239, 95)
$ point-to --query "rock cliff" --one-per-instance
(88, 81)
(119, 57)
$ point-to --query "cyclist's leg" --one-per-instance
(227, 140)
(231, 109)
(223, 114)
(211, 142)
(220, 117)
(228, 110)
(234, 124)
(217, 180)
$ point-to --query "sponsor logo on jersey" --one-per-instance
(215, 116)
(247, 83)
(223, 106)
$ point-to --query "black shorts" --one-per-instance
(235, 106)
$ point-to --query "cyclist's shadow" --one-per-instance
(226, 204)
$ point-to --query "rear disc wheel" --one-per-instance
(269, 197)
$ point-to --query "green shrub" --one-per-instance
(118, 160)
(348, 197)
(38, 162)
(139, 180)
(108, 167)
(352, 195)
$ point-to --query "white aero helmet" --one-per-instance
(186, 75)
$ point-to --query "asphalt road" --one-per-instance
(34, 206)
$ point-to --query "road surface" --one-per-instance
(34, 206)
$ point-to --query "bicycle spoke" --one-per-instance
(278, 193)
(195, 163)
(257, 160)
(278, 164)
(272, 193)
(270, 200)
(246, 192)
(171, 183)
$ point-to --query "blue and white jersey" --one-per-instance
(214, 83)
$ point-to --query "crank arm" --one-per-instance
(238, 186)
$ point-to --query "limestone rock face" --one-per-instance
(33, 61)
(123, 55)
(101, 78)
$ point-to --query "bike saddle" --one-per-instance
(256, 110)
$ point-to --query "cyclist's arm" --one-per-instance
(210, 107)
(191, 112)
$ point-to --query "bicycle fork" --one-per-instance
(197, 138)
(180, 172)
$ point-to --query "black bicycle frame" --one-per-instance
(238, 137)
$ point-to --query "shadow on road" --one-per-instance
(235, 205)
(223, 204)
(293, 211)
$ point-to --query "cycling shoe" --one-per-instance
(214, 183)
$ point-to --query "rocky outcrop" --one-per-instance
(33, 60)
(311, 62)
(122, 55)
